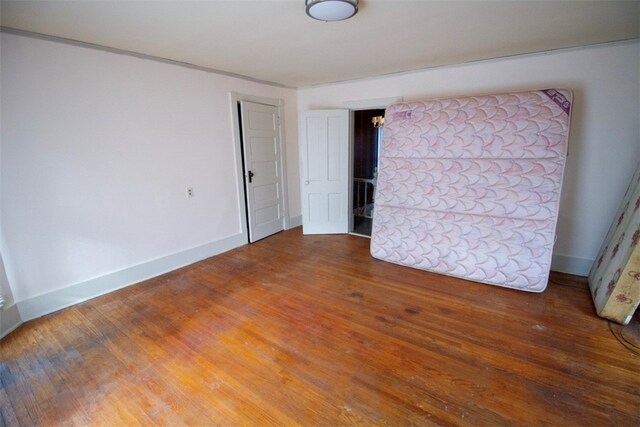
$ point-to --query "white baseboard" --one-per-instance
(295, 221)
(9, 319)
(74, 294)
(571, 265)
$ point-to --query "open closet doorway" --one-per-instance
(367, 139)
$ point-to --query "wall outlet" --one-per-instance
(189, 191)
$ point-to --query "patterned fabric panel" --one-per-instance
(470, 187)
(615, 276)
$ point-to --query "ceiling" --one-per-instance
(275, 41)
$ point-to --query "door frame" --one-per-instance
(235, 98)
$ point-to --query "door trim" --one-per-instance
(235, 98)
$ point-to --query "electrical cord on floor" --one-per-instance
(622, 340)
(570, 285)
(619, 336)
(558, 283)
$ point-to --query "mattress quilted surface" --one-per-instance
(470, 187)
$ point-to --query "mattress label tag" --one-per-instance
(559, 99)
(402, 115)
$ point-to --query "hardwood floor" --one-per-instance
(313, 331)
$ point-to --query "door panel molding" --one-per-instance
(324, 158)
(262, 157)
(235, 98)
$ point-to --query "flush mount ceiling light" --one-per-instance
(331, 10)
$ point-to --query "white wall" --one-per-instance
(604, 146)
(97, 151)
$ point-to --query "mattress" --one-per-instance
(614, 278)
(470, 187)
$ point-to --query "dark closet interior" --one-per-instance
(366, 138)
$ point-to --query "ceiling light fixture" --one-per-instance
(331, 10)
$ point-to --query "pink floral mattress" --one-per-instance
(470, 187)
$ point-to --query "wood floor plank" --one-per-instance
(311, 330)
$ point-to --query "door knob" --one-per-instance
(250, 175)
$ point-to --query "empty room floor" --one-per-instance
(311, 330)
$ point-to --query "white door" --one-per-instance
(263, 187)
(324, 150)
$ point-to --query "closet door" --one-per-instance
(263, 183)
(324, 151)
